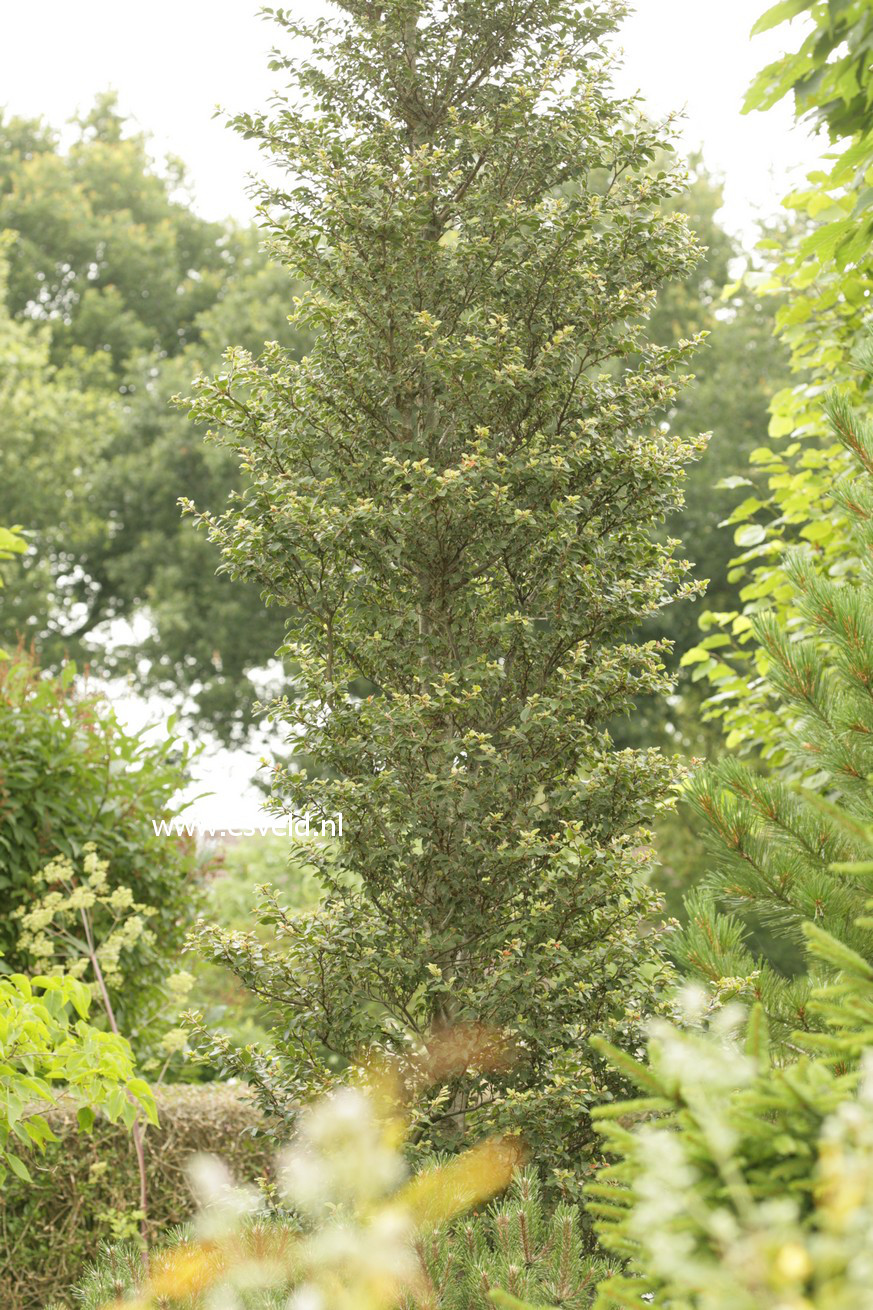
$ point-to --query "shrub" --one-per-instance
(117, 1271)
(86, 1187)
(513, 1245)
(70, 775)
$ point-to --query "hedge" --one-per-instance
(86, 1188)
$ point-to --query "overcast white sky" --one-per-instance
(173, 61)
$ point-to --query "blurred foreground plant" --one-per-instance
(349, 1216)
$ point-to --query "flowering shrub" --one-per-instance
(82, 922)
(70, 775)
(89, 925)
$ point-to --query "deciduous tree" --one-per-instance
(455, 495)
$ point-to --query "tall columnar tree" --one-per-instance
(454, 496)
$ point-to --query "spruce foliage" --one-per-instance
(455, 498)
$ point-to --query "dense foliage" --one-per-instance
(740, 1185)
(520, 1245)
(71, 775)
(744, 1171)
(342, 1226)
(455, 495)
(460, 465)
(819, 274)
(769, 849)
(117, 293)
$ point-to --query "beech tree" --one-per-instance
(454, 497)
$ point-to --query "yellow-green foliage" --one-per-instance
(71, 774)
(84, 926)
(770, 851)
(46, 1042)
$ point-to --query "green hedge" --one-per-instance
(86, 1188)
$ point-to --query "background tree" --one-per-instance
(119, 291)
(736, 375)
(454, 495)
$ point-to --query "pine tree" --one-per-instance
(519, 1246)
(773, 848)
(455, 498)
(741, 1180)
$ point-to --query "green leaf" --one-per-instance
(86, 1118)
(780, 13)
(751, 534)
(18, 1167)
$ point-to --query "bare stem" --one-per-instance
(137, 1128)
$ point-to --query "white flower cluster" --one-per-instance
(341, 1174)
(340, 1156)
